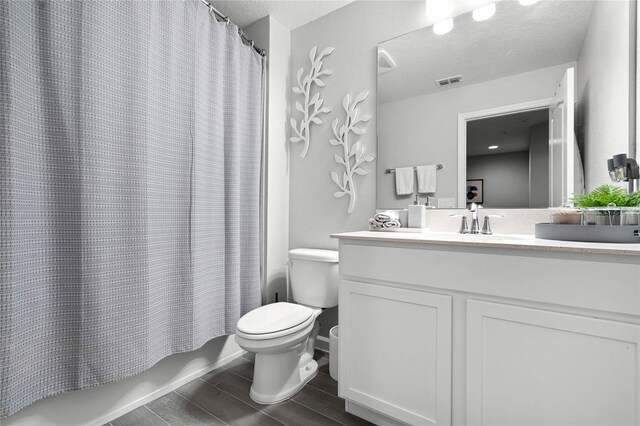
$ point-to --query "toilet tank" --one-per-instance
(314, 277)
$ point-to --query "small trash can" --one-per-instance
(333, 353)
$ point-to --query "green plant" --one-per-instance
(605, 195)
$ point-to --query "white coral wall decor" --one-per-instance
(354, 155)
(312, 103)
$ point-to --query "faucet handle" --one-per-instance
(464, 226)
(486, 226)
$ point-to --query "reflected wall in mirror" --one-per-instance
(511, 63)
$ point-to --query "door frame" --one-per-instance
(486, 113)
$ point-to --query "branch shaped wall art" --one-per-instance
(353, 155)
(312, 103)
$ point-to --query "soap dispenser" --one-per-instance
(417, 214)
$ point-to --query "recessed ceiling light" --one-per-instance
(443, 27)
(527, 2)
(493, 147)
(485, 12)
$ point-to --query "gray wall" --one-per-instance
(272, 36)
(506, 178)
(539, 166)
(603, 89)
(355, 31)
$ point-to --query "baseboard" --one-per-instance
(322, 343)
(104, 403)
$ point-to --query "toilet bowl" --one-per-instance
(282, 335)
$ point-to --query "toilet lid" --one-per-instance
(273, 318)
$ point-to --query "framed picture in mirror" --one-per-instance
(475, 191)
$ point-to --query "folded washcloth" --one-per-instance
(386, 216)
(426, 179)
(404, 180)
(392, 224)
(375, 225)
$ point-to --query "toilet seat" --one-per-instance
(274, 320)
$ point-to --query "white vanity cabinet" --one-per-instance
(441, 333)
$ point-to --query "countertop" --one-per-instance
(505, 241)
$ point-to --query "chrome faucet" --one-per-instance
(475, 224)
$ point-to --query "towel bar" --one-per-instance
(387, 171)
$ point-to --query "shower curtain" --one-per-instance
(130, 165)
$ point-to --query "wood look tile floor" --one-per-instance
(222, 398)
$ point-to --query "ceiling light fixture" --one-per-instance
(443, 27)
(493, 147)
(439, 10)
(484, 12)
(527, 2)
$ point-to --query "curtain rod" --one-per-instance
(223, 17)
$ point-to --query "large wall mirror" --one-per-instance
(521, 110)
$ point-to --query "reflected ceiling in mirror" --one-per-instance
(516, 39)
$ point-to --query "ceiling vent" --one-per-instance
(449, 80)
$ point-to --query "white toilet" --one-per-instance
(283, 335)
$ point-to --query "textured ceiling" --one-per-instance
(517, 39)
(290, 13)
(510, 132)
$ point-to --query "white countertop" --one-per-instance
(506, 241)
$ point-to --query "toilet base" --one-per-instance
(265, 390)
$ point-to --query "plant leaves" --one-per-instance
(325, 72)
(294, 124)
(354, 148)
(338, 159)
(297, 90)
(316, 120)
(326, 51)
(334, 142)
(345, 103)
(315, 98)
(319, 82)
(339, 194)
(365, 117)
(299, 74)
(357, 130)
(299, 107)
(325, 110)
(361, 171)
(361, 97)
(312, 53)
(334, 177)
(295, 139)
(369, 158)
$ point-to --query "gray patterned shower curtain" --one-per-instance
(130, 162)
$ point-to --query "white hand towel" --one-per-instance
(426, 179)
(386, 216)
(375, 225)
(404, 180)
(392, 224)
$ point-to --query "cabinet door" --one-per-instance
(395, 352)
(528, 366)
